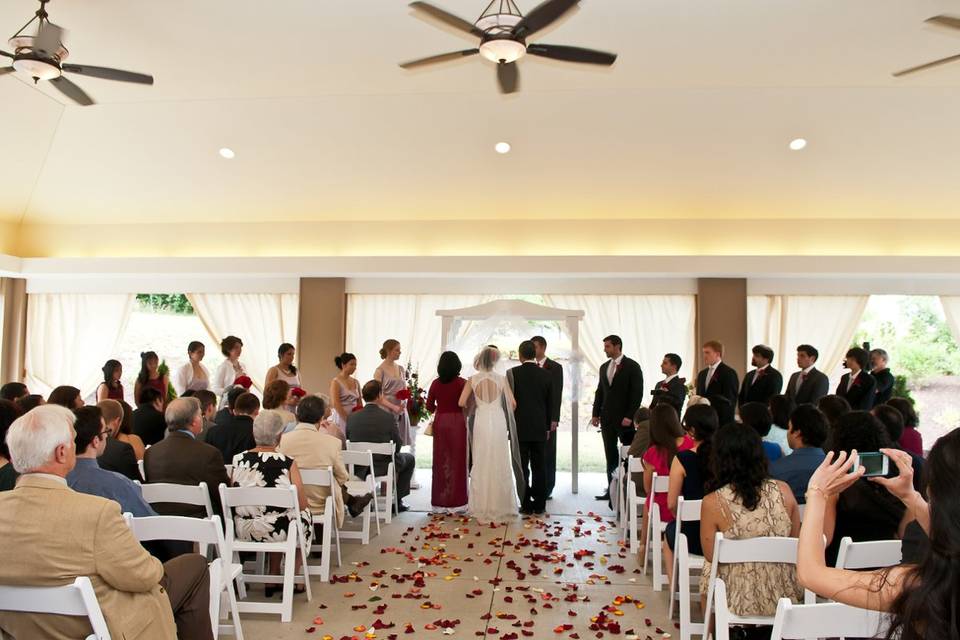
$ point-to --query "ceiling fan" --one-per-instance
(41, 56)
(503, 31)
(944, 21)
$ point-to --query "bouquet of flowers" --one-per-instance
(415, 396)
(164, 370)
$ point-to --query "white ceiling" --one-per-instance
(693, 120)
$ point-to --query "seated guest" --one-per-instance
(865, 511)
(225, 415)
(264, 466)
(880, 370)
(116, 456)
(13, 391)
(373, 424)
(126, 434)
(208, 407)
(111, 388)
(278, 396)
(833, 408)
(781, 407)
(8, 475)
(745, 502)
(858, 386)
(807, 431)
(59, 534)
(66, 396)
(313, 448)
(757, 416)
(892, 421)
(89, 477)
(910, 440)
(148, 422)
(182, 459)
(25, 403)
(640, 444)
(672, 389)
(763, 382)
(236, 436)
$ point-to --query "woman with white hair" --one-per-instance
(264, 466)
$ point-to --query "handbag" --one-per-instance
(429, 430)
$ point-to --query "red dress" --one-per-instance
(449, 489)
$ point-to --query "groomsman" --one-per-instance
(808, 385)
(671, 390)
(763, 382)
(881, 373)
(718, 382)
(858, 386)
(555, 369)
(619, 394)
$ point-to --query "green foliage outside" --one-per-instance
(165, 303)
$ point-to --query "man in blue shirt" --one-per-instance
(88, 477)
(806, 434)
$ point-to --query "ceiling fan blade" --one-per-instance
(72, 91)
(447, 18)
(508, 76)
(542, 16)
(49, 38)
(8, 55)
(929, 65)
(945, 21)
(5, 70)
(443, 57)
(572, 54)
(107, 73)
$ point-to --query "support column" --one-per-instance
(722, 315)
(323, 327)
(13, 329)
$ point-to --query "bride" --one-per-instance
(495, 454)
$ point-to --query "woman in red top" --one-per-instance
(449, 491)
(150, 376)
(111, 388)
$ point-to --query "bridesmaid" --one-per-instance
(449, 491)
(192, 376)
(394, 380)
(230, 369)
(111, 388)
(345, 391)
(150, 377)
(284, 370)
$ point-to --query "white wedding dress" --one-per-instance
(493, 494)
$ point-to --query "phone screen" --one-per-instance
(874, 463)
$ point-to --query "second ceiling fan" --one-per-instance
(503, 31)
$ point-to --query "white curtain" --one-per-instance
(826, 322)
(649, 326)
(262, 320)
(411, 319)
(70, 336)
(951, 310)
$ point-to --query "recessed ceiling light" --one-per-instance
(227, 153)
(798, 144)
(502, 147)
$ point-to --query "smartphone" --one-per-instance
(874, 463)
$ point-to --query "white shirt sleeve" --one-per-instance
(223, 378)
(182, 378)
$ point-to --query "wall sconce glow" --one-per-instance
(502, 147)
(227, 153)
(798, 144)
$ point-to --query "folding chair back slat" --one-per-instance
(198, 494)
(76, 599)
(875, 554)
(827, 620)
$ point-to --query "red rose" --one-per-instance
(298, 392)
(244, 381)
(403, 394)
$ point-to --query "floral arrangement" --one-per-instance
(415, 396)
(164, 370)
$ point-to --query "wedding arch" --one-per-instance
(467, 329)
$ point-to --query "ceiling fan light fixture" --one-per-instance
(39, 69)
(502, 50)
(798, 144)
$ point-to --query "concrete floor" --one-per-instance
(528, 578)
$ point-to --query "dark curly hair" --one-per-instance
(664, 430)
(907, 410)
(756, 415)
(858, 430)
(448, 367)
(834, 407)
(738, 460)
(9, 412)
(275, 395)
(781, 407)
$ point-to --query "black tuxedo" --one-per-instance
(149, 424)
(815, 386)
(555, 369)
(615, 402)
(533, 391)
(672, 393)
(885, 381)
(233, 437)
(118, 456)
(373, 424)
(861, 394)
(760, 390)
(722, 390)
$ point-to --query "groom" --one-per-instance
(533, 391)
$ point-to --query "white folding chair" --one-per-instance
(622, 489)
(726, 551)
(283, 498)
(324, 478)
(828, 620)
(655, 531)
(357, 487)
(802, 509)
(143, 476)
(635, 503)
(229, 469)
(215, 571)
(683, 563)
(194, 494)
(203, 531)
(875, 554)
(76, 599)
(391, 498)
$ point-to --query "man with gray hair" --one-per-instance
(59, 534)
(182, 459)
(879, 361)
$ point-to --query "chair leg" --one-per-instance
(658, 577)
(365, 531)
(304, 556)
(286, 607)
(376, 507)
(325, 552)
(388, 503)
(234, 613)
(634, 534)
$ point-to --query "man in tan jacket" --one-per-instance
(53, 534)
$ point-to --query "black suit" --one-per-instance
(760, 390)
(373, 424)
(722, 390)
(118, 456)
(533, 391)
(180, 459)
(672, 393)
(233, 437)
(555, 369)
(861, 394)
(223, 416)
(885, 382)
(148, 423)
(815, 386)
(614, 403)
